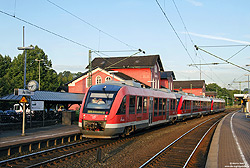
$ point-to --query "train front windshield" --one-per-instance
(98, 103)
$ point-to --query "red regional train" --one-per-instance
(116, 109)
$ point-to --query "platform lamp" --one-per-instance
(25, 55)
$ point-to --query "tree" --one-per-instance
(14, 71)
(223, 93)
(66, 76)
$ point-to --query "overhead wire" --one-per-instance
(165, 15)
(237, 45)
(221, 58)
(56, 34)
(99, 30)
(237, 52)
(91, 25)
(46, 30)
(185, 27)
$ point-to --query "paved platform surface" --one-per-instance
(14, 137)
(230, 146)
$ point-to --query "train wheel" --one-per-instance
(128, 130)
(173, 120)
(125, 132)
(184, 118)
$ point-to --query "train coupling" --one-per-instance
(94, 125)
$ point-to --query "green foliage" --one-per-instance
(223, 93)
(12, 73)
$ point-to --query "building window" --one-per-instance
(108, 78)
(98, 80)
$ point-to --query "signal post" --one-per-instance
(24, 101)
(26, 94)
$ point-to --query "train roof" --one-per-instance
(196, 98)
(132, 84)
(218, 100)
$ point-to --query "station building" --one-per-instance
(196, 87)
(147, 70)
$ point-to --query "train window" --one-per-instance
(172, 104)
(183, 104)
(122, 108)
(203, 105)
(167, 105)
(156, 103)
(151, 102)
(99, 103)
(139, 104)
(187, 104)
(145, 105)
(164, 106)
(160, 106)
(132, 105)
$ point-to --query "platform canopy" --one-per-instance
(49, 97)
(242, 96)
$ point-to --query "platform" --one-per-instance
(12, 142)
(230, 146)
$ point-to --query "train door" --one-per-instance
(161, 111)
(191, 106)
(145, 108)
(150, 111)
(139, 108)
(167, 108)
(132, 115)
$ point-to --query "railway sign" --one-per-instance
(23, 92)
(23, 100)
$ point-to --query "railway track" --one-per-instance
(50, 157)
(57, 156)
(180, 153)
(33, 159)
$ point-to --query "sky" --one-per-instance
(67, 30)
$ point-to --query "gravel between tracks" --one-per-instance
(135, 152)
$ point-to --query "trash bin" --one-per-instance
(68, 117)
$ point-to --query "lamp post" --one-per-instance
(39, 69)
(24, 79)
(25, 55)
(227, 99)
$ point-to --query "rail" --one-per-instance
(183, 135)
